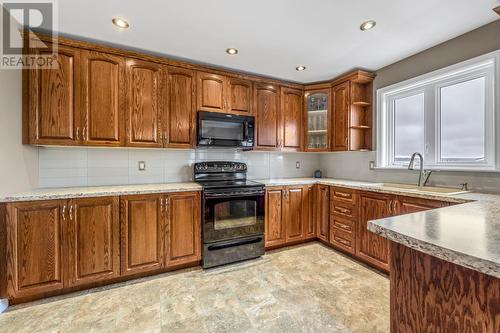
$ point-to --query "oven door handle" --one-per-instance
(233, 243)
(232, 195)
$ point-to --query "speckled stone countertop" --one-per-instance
(466, 234)
(98, 191)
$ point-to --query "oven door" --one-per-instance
(229, 216)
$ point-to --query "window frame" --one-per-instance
(430, 85)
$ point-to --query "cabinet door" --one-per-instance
(145, 103)
(103, 95)
(408, 205)
(291, 112)
(294, 213)
(211, 92)
(274, 219)
(35, 255)
(54, 100)
(371, 247)
(323, 212)
(142, 233)
(93, 240)
(268, 124)
(240, 96)
(184, 229)
(340, 130)
(180, 114)
(309, 212)
(316, 120)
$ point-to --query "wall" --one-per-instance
(355, 165)
(18, 163)
(63, 167)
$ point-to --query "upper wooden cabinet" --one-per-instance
(146, 101)
(316, 120)
(291, 113)
(179, 117)
(52, 101)
(223, 94)
(352, 113)
(340, 133)
(93, 240)
(103, 99)
(240, 100)
(267, 114)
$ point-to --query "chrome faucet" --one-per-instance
(424, 175)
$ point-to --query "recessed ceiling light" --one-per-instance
(368, 25)
(232, 51)
(120, 23)
(300, 68)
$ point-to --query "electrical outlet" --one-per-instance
(142, 166)
(372, 165)
(297, 165)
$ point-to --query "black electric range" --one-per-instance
(233, 213)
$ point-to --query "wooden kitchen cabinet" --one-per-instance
(183, 228)
(219, 93)
(103, 99)
(294, 213)
(143, 227)
(371, 247)
(93, 240)
(267, 114)
(35, 247)
(291, 118)
(407, 205)
(146, 101)
(340, 132)
(323, 212)
(317, 120)
(275, 227)
(309, 212)
(51, 109)
(240, 96)
(179, 117)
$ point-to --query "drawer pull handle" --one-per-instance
(346, 243)
(344, 195)
(343, 226)
(343, 210)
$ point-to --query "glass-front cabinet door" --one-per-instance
(317, 114)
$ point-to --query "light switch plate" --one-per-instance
(297, 165)
(142, 166)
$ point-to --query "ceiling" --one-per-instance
(275, 36)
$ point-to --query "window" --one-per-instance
(448, 116)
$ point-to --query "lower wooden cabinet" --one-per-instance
(35, 247)
(183, 228)
(371, 247)
(323, 212)
(93, 240)
(290, 215)
(407, 205)
(274, 221)
(61, 245)
(142, 228)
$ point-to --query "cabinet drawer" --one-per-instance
(343, 210)
(344, 195)
(341, 224)
(342, 240)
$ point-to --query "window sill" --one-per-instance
(438, 169)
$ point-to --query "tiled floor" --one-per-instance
(308, 288)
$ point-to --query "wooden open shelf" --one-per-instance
(360, 126)
(359, 103)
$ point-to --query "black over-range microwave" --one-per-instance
(225, 130)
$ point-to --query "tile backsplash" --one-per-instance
(66, 167)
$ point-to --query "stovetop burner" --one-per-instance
(229, 184)
(222, 175)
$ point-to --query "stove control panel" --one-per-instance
(219, 167)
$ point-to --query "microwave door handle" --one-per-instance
(246, 129)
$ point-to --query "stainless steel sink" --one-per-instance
(426, 189)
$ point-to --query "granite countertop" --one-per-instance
(98, 191)
(466, 234)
